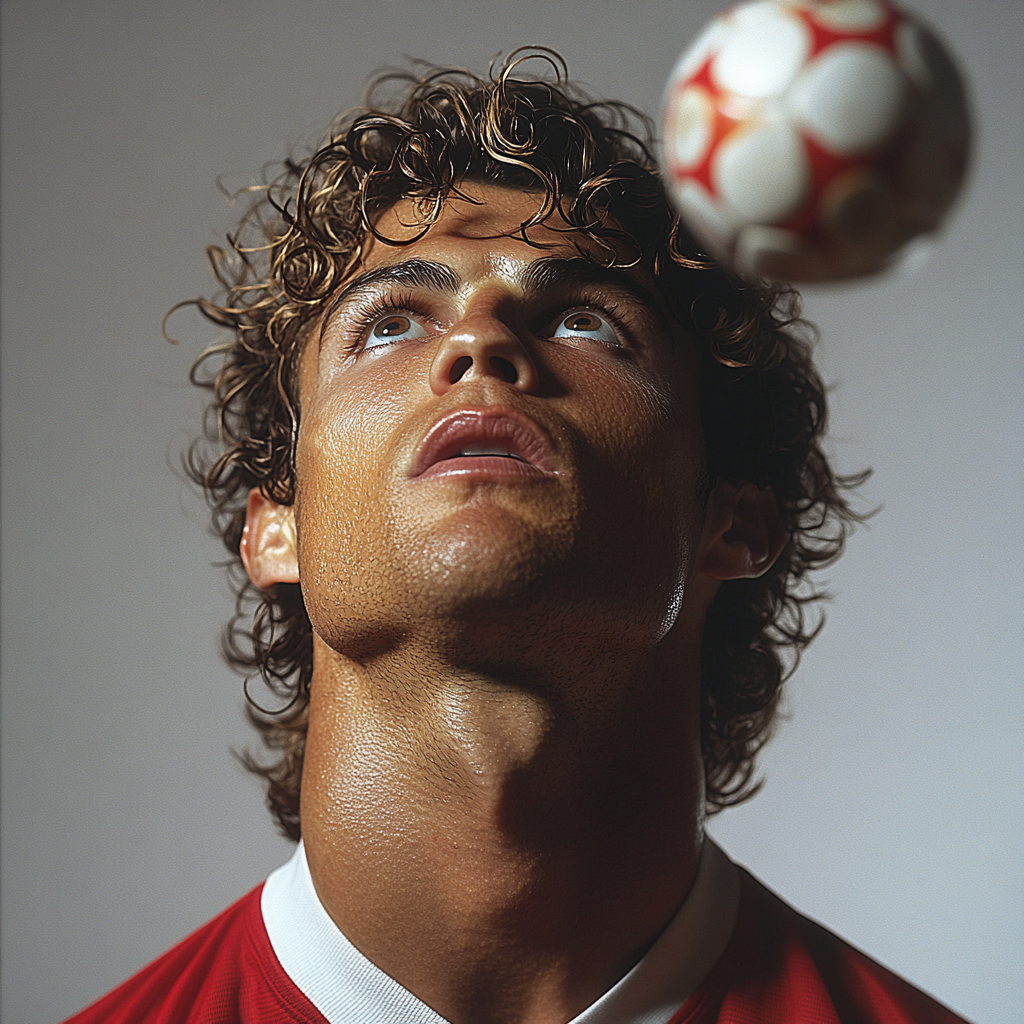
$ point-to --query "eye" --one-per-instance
(391, 328)
(583, 323)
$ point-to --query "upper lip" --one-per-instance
(508, 431)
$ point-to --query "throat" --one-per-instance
(504, 855)
(493, 732)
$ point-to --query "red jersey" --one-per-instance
(779, 967)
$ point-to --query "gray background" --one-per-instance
(893, 808)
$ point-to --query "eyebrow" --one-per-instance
(558, 271)
(414, 273)
(542, 274)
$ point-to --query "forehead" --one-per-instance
(479, 235)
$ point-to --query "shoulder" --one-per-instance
(224, 973)
(780, 967)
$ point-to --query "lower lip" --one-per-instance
(483, 467)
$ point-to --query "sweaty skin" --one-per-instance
(502, 797)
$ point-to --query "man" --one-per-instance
(527, 492)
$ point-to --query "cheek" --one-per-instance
(642, 425)
(641, 444)
(345, 460)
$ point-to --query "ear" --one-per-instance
(743, 532)
(268, 549)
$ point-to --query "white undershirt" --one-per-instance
(348, 989)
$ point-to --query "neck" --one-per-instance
(504, 845)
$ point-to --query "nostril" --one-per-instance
(505, 369)
(459, 369)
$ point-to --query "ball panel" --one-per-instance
(864, 222)
(848, 15)
(851, 98)
(934, 156)
(910, 53)
(762, 172)
(912, 256)
(689, 126)
(764, 51)
(856, 207)
(708, 220)
(937, 76)
(929, 180)
(771, 255)
(760, 248)
(709, 40)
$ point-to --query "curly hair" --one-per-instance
(420, 136)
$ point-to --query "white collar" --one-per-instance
(348, 989)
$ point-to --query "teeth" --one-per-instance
(482, 448)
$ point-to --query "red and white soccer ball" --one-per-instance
(811, 140)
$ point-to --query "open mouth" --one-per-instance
(482, 449)
(484, 443)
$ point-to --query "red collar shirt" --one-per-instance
(734, 953)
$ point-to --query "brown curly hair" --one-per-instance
(590, 162)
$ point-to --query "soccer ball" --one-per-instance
(812, 140)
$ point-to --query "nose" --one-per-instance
(478, 347)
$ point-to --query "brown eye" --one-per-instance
(394, 327)
(582, 323)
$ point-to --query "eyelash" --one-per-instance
(363, 316)
(596, 304)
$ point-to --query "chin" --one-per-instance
(482, 555)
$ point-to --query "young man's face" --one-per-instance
(493, 433)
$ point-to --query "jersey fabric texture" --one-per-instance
(224, 973)
(779, 967)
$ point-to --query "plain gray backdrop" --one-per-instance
(893, 809)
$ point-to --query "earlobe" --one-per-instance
(268, 549)
(743, 533)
